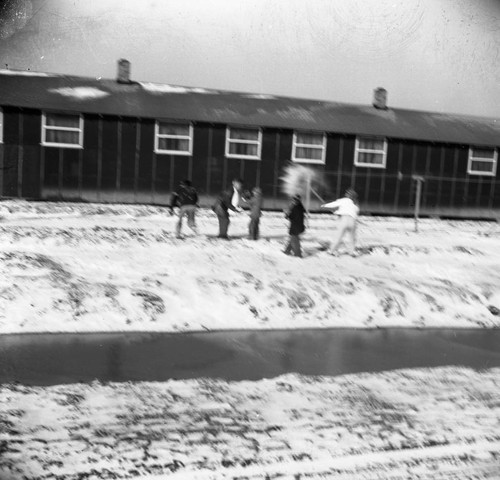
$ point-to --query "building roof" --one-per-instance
(162, 101)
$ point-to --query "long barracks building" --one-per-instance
(116, 140)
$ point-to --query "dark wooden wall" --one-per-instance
(118, 164)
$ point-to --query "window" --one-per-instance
(309, 147)
(62, 130)
(1, 125)
(370, 152)
(243, 142)
(174, 138)
(482, 161)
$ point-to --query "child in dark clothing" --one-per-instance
(295, 214)
(255, 204)
(186, 198)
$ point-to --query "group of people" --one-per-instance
(186, 198)
(232, 200)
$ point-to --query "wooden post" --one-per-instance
(118, 171)
(276, 167)
(339, 167)
(209, 159)
(60, 174)
(419, 181)
(137, 156)
(80, 173)
(42, 172)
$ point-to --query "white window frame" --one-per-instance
(46, 127)
(358, 150)
(493, 160)
(159, 135)
(1, 125)
(321, 147)
(257, 142)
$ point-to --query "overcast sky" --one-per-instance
(438, 55)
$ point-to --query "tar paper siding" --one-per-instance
(90, 172)
(118, 164)
(10, 152)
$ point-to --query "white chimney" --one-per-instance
(380, 98)
(123, 71)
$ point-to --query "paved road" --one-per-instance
(68, 358)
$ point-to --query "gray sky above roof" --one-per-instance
(435, 55)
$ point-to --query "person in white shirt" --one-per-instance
(348, 210)
(236, 197)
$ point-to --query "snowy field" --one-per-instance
(431, 424)
(85, 267)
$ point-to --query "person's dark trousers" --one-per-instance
(253, 228)
(294, 246)
(223, 224)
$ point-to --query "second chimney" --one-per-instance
(123, 71)
(380, 98)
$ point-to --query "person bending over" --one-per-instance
(186, 198)
(228, 200)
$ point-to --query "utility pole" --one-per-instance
(419, 179)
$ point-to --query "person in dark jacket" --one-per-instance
(255, 205)
(228, 200)
(186, 198)
(295, 214)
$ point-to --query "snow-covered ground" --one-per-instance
(441, 423)
(87, 267)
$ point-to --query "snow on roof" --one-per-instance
(259, 96)
(166, 88)
(80, 93)
(24, 73)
